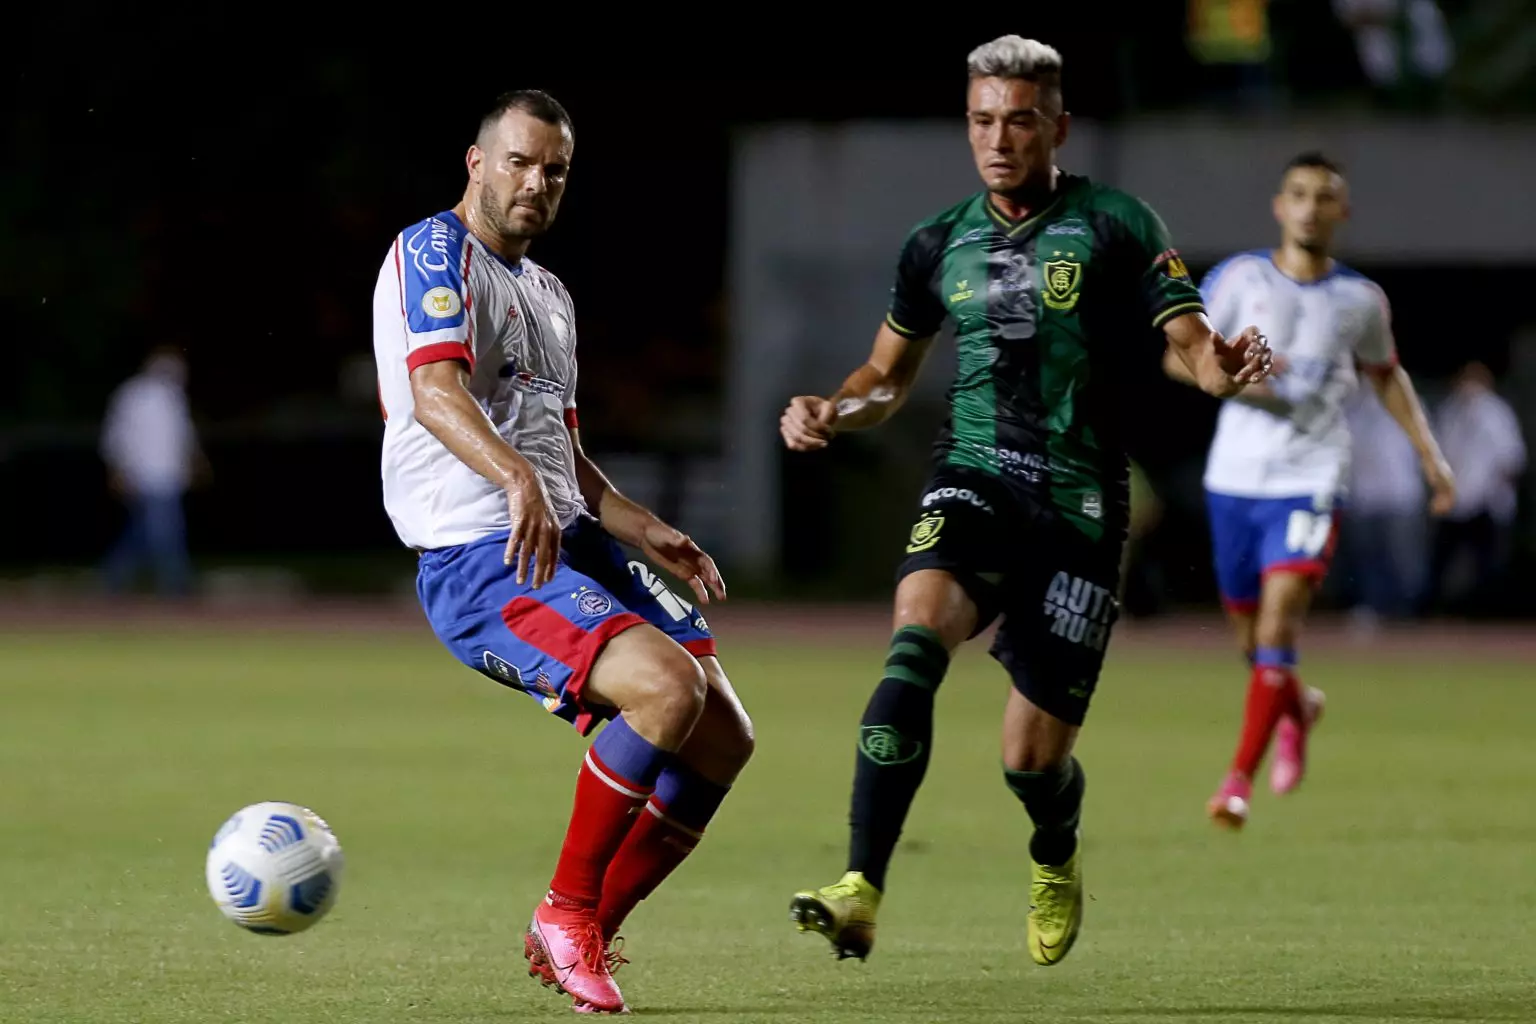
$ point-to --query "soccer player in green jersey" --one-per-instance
(1051, 281)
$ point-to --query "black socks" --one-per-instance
(894, 740)
(1054, 800)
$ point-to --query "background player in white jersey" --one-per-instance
(520, 574)
(1276, 472)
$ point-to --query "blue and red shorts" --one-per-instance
(1254, 537)
(544, 642)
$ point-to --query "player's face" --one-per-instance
(1310, 205)
(1012, 139)
(520, 175)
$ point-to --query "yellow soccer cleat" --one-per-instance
(844, 913)
(1056, 908)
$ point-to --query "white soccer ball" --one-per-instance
(274, 868)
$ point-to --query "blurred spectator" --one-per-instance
(152, 454)
(1404, 46)
(1480, 435)
(1384, 542)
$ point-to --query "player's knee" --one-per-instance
(675, 687)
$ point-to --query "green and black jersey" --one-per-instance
(1046, 311)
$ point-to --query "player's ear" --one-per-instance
(1063, 125)
(1274, 206)
(474, 161)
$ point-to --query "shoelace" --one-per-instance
(614, 955)
(592, 950)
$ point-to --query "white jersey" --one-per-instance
(441, 294)
(1322, 329)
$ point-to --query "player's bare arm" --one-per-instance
(445, 407)
(1260, 396)
(869, 396)
(1212, 363)
(636, 525)
(1398, 396)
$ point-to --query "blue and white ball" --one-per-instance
(274, 868)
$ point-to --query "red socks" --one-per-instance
(1273, 691)
(668, 830)
(616, 779)
(653, 850)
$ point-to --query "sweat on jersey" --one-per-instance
(1322, 329)
(442, 294)
(1045, 310)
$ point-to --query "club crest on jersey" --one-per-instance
(592, 602)
(440, 303)
(1063, 281)
(925, 532)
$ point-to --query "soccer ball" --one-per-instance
(274, 868)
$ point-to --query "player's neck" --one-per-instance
(1026, 199)
(512, 251)
(1299, 264)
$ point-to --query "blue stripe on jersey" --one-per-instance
(516, 268)
(432, 273)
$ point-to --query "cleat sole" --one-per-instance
(811, 915)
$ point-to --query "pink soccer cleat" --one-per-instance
(1290, 762)
(1229, 807)
(566, 951)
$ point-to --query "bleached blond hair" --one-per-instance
(1016, 57)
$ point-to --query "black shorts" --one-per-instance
(1056, 589)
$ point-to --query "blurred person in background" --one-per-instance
(1484, 445)
(1384, 534)
(1404, 47)
(1275, 476)
(151, 451)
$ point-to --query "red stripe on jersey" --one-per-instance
(546, 630)
(1380, 370)
(704, 647)
(469, 302)
(570, 419)
(399, 276)
(440, 352)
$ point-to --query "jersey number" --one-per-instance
(675, 606)
(1307, 532)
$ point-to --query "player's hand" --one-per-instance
(535, 531)
(1247, 358)
(808, 423)
(1442, 486)
(675, 552)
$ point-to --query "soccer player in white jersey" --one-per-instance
(1278, 465)
(520, 573)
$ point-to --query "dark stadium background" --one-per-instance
(230, 184)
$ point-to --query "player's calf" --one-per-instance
(688, 793)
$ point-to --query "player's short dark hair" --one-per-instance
(534, 102)
(1313, 158)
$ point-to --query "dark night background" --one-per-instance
(230, 184)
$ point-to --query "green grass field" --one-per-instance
(1396, 885)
